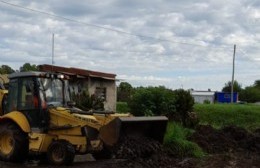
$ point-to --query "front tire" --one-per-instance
(60, 153)
(14, 144)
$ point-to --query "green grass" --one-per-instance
(176, 141)
(220, 115)
(122, 107)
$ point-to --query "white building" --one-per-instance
(98, 83)
(202, 96)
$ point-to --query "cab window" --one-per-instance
(28, 98)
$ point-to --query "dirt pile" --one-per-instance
(231, 145)
(132, 147)
(144, 152)
(227, 139)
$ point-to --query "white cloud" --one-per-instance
(197, 51)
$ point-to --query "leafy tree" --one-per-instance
(250, 94)
(124, 91)
(5, 69)
(152, 101)
(184, 104)
(257, 84)
(176, 105)
(236, 87)
(87, 102)
(28, 67)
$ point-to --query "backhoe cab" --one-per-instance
(32, 93)
(40, 119)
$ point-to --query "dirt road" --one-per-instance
(80, 161)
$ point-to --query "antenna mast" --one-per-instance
(233, 73)
(52, 61)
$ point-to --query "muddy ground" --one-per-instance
(230, 147)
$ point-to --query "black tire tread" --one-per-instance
(69, 155)
(21, 148)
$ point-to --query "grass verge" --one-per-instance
(220, 115)
(176, 141)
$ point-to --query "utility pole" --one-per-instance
(233, 73)
(52, 61)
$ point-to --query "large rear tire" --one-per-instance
(60, 153)
(14, 144)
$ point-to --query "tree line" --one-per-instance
(152, 96)
(6, 69)
(250, 94)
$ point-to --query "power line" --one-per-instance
(101, 27)
(131, 51)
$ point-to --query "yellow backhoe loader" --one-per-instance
(40, 119)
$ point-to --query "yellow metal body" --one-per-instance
(73, 124)
(104, 119)
(63, 126)
(68, 126)
(39, 142)
(62, 117)
(18, 118)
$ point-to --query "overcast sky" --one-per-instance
(178, 44)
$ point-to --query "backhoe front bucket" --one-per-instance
(152, 127)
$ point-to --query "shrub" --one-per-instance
(152, 101)
(122, 107)
(87, 102)
(184, 105)
(250, 94)
(124, 91)
(206, 101)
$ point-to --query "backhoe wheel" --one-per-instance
(60, 153)
(14, 144)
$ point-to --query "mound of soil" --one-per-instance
(231, 146)
(132, 147)
(144, 152)
(227, 139)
